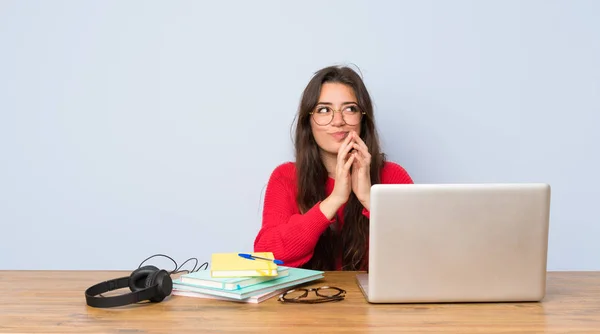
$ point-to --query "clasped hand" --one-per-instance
(352, 172)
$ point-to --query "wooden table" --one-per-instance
(53, 302)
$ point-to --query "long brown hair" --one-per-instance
(351, 241)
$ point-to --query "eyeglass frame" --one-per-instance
(333, 110)
(340, 295)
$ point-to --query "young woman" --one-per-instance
(316, 210)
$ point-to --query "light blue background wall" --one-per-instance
(130, 128)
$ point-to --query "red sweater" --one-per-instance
(290, 235)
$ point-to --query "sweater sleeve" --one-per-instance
(291, 236)
(392, 173)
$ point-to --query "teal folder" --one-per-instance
(204, 279)
(295, 277)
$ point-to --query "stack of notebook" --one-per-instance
(235, 278)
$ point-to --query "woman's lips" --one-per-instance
(340, 135)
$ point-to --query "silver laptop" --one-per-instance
(437, 243)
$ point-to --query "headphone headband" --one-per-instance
(120, 300)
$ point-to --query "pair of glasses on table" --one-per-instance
(323, 294)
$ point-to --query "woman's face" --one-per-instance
(338, 99)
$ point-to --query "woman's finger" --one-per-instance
(360, 142)
(349, 162)
(364, 155)
(343, 156)
(362, 145)
(357, 159)
(344, 149)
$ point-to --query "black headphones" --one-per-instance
(146, 283)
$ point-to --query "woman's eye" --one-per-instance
(351, 109)
(322, 110)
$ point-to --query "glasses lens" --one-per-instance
(323, 115)
(352, 115)
(328, 292)
(295, 294)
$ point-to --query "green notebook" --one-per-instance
(204, 279)
(295, 276)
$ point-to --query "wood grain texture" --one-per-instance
(53, 302)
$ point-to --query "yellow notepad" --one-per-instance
(233, 265)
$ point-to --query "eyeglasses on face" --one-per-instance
(324, 294)
(323, 114)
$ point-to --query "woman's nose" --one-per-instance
(338, 118)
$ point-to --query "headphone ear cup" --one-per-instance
(164, 282)
(138, 279)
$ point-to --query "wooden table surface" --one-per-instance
(53, 302)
